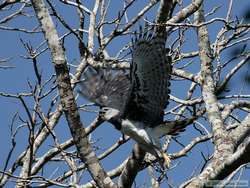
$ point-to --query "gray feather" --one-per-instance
(142, 97)
(106, 87)
(150, 75)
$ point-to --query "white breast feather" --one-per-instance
(140, 133)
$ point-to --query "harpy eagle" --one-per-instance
(134, 102)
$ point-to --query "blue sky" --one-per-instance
(15, 80)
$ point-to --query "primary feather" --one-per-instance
(143, 94)
(150, 75)
(106, 88)
(136, 101)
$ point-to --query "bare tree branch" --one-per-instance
(208, 112)
(67, 98)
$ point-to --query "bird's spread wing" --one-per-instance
(150, 73)
(106, 88)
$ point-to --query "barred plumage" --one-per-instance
(135, 102)
(150, 74)
(106, 88)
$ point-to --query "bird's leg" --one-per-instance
(166, 159)
(109, 113)
(161, 155)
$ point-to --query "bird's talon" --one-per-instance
(167, 160)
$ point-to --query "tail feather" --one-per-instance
(169, 129)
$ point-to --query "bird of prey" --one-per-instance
(134, 101)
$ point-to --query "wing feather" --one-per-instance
(150, 74)
(106, 88)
